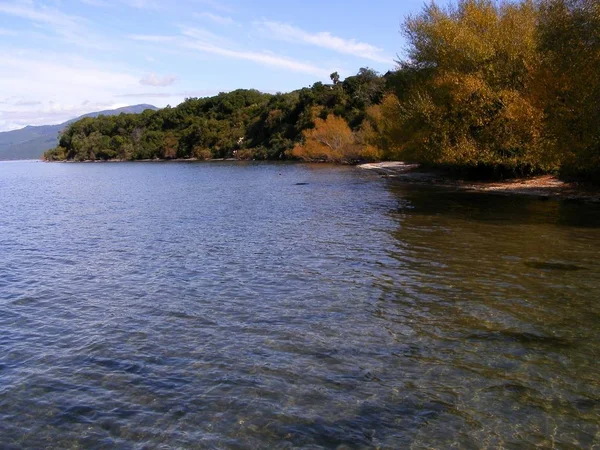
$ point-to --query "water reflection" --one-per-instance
(291, 306)
(513, 341)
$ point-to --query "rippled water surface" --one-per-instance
(241, 305)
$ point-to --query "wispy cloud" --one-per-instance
(51, 87)
(200, 34)
(221, 20)
(154, 80)
(140, 4)
(206, 42)
(71, 28)
(216, 5)
(186, 94)
(200, 40)
(27, 103)
(290, 33)
(143, 4)
(152, 38)
(147, 95)
(101, 3)
(267, 59)
(52, 70)
(5, 32)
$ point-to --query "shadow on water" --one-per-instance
(553, 266)
(496, 209)
(371, 425)
(499, 293)
(523, 338)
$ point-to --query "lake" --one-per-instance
(261, 305)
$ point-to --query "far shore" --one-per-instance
(543, 187)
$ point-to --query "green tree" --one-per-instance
(569, 82)
(335, 77)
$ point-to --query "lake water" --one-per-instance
(246, 305)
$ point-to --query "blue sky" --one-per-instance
(63, 58)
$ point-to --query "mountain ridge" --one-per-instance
(31, 141)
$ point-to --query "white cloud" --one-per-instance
(5, 32)
(221, 20)
(100, 3)
(186, 94)
(71, 28)
(67, 72)
(148, 95)
(264, 58)
(152, 38)
(200, 34)
(27, 103)
(140, 4)
(143, 4)
(290, 33)
(206, 42)
(216, 5)
(154, 80)
(52, 87)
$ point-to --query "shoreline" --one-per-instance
(543, 187)
(158, 160)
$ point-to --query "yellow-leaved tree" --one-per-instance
(464, 96)
(568, 84)
(332, 140)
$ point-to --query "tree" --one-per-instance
(335, 78)
(56, 154)
(569, 82)
(169, 148)
(468, 99)
(202, 153)
(331, 140)
(267, 125)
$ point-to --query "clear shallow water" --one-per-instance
(222, 305)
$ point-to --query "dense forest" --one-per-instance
(493, 87)
(245, 124)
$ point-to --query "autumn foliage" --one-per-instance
(465, 99)
(332, 140)
(568, 83)
(493, 87)
(505, 87)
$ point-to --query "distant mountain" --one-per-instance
(32, 141)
